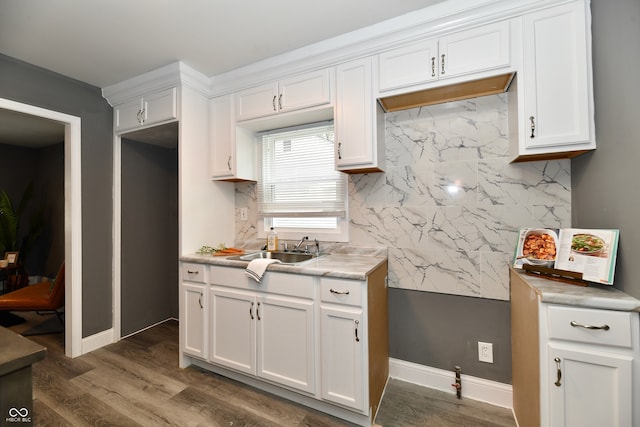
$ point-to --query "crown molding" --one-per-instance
(433, 21)
(171, 75)
(436, 20)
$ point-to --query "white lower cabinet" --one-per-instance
(573, 366)
(269, 336)
(320, 341)
(194, 309)
(233, 329)
(589, 388)
(343, 355)
(286, 341)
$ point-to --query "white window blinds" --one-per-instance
(297, 174)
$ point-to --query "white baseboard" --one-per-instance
(97, 341)
(480, 389)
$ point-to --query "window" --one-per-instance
(299, 190)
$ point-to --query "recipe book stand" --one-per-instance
(571, 277)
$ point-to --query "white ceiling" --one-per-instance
(103, 42)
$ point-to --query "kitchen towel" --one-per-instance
(257, 267)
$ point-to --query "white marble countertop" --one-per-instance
(593, 296)
(353, 266)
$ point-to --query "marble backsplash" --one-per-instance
(449, 204)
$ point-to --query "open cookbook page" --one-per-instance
(590, 252)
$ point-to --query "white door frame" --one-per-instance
(72, 219)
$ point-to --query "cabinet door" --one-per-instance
(480, 49)
(285, 342)
(356, 143)
(223, 158)
(343, 356)
(128, 115)
(233, 329)
(409, 65)
(258, 101)
(556, 71)
(193, 322)
(595, 388)
(160, 107)
(304, 91)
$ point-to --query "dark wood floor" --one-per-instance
(137, 381)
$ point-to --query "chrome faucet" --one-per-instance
(297, 246)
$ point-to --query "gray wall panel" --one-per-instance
(605, 182)
(32, 85)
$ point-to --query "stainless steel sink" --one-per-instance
(284, 257)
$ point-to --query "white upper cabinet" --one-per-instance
(554, 89)
(148, 110)
(359, 141)
(466, 52)
(294, 93)
(232, 150)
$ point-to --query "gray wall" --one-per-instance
(32, 85)
(442, 331)
(149, 235)
(605, 182)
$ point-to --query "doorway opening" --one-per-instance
(147, 227)
(72, 214)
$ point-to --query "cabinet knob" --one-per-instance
(273, 102)
(229, 162)
(357, 322)
(251, 311)
(442, 65)
(339, 150)
(433, 66)
(280, 102)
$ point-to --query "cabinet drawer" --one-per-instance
(194, 272)
(296, 285)
(341, 291)
(618, 322)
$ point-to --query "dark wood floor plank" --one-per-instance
(407, 404)
(138, 382)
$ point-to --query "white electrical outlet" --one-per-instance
(485, 352)
(243, 214)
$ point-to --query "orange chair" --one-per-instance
(43, 296)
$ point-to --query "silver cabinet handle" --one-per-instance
(558, 383)
(229, 162)
(433, 66)
(200, 301)
(533, 126)
(357, 324)
(192, 272)
(442, 65)
(273, 102)
(251, 311)
(604, 327)
(258, 312)
(280, 102)
(340, 150)
(333, 291)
